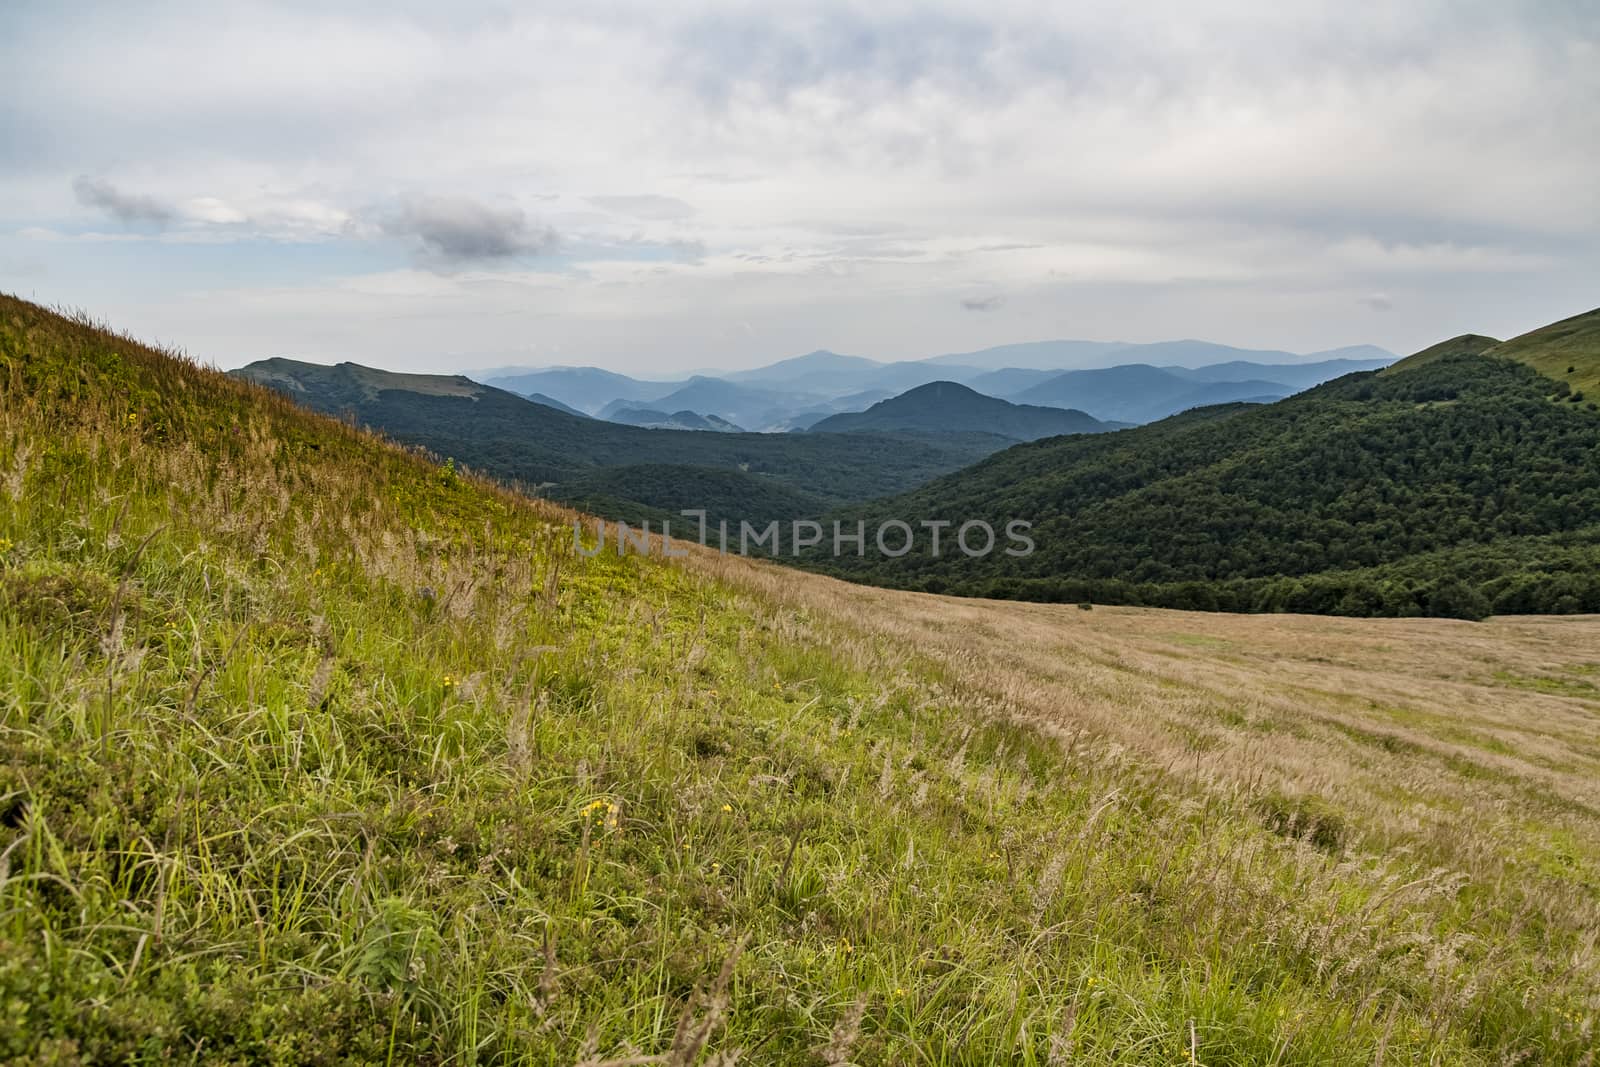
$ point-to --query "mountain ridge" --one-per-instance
(950, 406)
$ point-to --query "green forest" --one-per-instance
(1460, 486)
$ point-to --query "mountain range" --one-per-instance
(1134, 383)
(601, 464)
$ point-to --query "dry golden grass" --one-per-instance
(1475, 744)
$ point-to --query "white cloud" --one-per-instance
(828, 174)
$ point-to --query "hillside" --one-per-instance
(1468, 344)
(1567, 351)
(316, 752)
(504, 435)
(948, 407)
(1448, 486)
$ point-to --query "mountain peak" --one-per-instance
(949, 407)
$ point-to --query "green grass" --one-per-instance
(1567, 351)
(314, 752)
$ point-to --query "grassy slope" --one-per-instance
(1565, 351)
(313, 753)
(1552, 349)
(1468, 344)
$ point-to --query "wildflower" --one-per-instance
(133, 417)
(728, 808)
(845, 946)
(5, 545)
(899, 992)
(449, 681)
(715, 866)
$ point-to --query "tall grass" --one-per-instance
(313, 750)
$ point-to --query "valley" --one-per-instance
(317, 750)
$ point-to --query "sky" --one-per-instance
(655, 188)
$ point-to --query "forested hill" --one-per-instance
(1459, 484)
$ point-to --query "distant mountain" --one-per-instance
(586, 388)
(1088, 355)
(1138, 392)
(1295, 375)
(1010, 381)
(898, 377)
(819, 368)
(539, 447)
(1459, 481)
(798, 391)
(1035, 355)
(552, 402)
(1355, 352)
(945, 407)
(677, 420)
(755, 407)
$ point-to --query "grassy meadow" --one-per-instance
(317, 751)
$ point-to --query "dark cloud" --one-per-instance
(125, 207)
(984, 303)
(689, 250)
(645, 206)
(455, 229)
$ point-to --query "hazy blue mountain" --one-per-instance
(1035, 355)
(821, 367)
(677, 420)
(1010, 381)
(1138, 392)
(1088, 355)
(908, 374)
(1354, 352)
(949, 407)
(586, 388)
(755, 407)
(552, 402)
(1296, 375)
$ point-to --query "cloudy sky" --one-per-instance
(654, 187)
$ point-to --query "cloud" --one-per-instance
(1378, 301)
(861, 176)
(461, 230)
(645, 206)
(100, 193)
